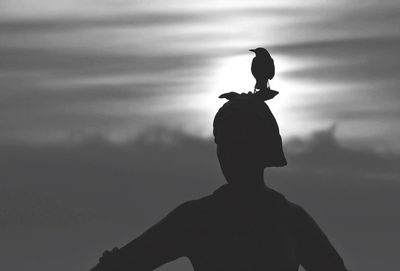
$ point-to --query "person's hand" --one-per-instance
(108, 261)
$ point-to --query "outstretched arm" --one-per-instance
(162, 243)
(315, 251)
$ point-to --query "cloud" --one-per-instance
(137, 65)
(121, 189)
(324, 153)
(52, 92)
(351, 59)
(143, 18)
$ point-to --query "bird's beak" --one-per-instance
(252, 50)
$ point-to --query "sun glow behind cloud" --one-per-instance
(233, 74)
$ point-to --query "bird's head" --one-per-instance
(261, 52)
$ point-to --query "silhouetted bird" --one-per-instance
(262, 68)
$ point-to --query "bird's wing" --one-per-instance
(263, 68)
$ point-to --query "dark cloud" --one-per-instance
(52, 91)
(108, 193)
(84, 23)
(361, 19)
(324, 153)
(35, 97)
(142, 19)
(357, 59)
(355, 81)
(68, 62)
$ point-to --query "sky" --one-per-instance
(62, 205)
(76, 69)
(96, 96)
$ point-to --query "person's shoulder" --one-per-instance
(297, 209)
(193, 206)
(293, 210)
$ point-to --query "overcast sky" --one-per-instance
(79, 76)
(73, 69)
(61, 206)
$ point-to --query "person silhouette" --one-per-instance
(244, 224)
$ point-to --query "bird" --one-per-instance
(262, 68)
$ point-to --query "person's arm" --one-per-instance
(315, 251)
(162, 243)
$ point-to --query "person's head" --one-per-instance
(247, 138)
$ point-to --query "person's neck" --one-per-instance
(248, 180)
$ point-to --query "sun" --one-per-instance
(228, 74)
(233, 74)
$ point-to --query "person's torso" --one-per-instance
(238, 232)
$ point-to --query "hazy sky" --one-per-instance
(74, 69)
(61, 206)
